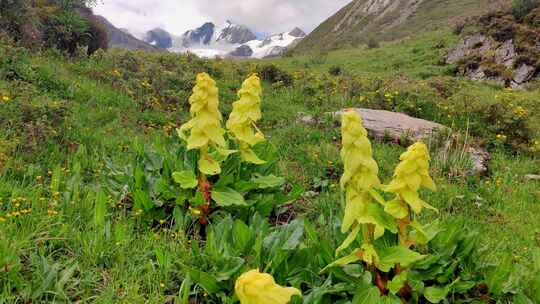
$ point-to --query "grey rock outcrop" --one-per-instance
(242, 51)
(159, 38)
(482, 58)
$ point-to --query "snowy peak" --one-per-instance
(235, 34)
(198, 36)
(234, 40)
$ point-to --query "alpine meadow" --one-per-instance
(390, 155)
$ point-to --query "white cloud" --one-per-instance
(177, 16)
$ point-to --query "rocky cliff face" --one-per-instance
(121, 39)
(504, 50)
(159, 38)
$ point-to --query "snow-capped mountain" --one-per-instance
(233, 40)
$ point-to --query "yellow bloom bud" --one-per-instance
(360, 174)
(205, 124)
(254, 287)
(411, 174)
(246, 112)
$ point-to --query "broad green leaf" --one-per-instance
(205, 280)
(391, 256)
(209, 166)
(186, 179)
(350, 238)
(269, 181)
(424, 234)
(436, 294)
(346, 260)
(100, 209)
(398, 282)
(384, 219)
(367, 295)
(226, 197)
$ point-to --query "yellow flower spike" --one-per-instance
(411, 174)
(205, 123)
(359, 178)
(246, 112)
(254, 287)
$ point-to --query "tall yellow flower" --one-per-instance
(246, 112)
(359, 178)
(254, 287)
(411, 174)
(205, 123)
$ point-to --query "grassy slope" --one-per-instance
(433, 13)
(121, 266)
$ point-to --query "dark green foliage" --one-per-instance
(520, 8)
(335, 70)
(273, 74)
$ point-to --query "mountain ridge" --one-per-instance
(387, 20)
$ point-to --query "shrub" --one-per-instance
(373, 43)
(520, 8)
(335, 70)
(273, 74)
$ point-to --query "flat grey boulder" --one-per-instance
(383, 124)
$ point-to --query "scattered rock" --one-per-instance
(480, 159)
(523, 73)
(506, 54)
(469, 45)
(242, 51)
(276, 51)
(478, 54)
(532, 177)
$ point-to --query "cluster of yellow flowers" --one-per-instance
(411, 173)
(359, 178)
(246, 112)
(363, 209)
(205, 125)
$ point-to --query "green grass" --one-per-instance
(55, 162)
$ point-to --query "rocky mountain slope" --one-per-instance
(362, 20)
(122, 39)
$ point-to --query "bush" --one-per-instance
(373, 43)
(335, 70)
(273, 74)
(520, 8)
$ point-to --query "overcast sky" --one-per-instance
(177, 16)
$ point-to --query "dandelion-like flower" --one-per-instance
(411, 174)
(360, 174)
(246, 112)
(205, 124)
(254, 287)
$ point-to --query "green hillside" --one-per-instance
(352, 26)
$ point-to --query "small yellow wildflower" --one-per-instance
(246, 112)
(254, 287)
(6, 98)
